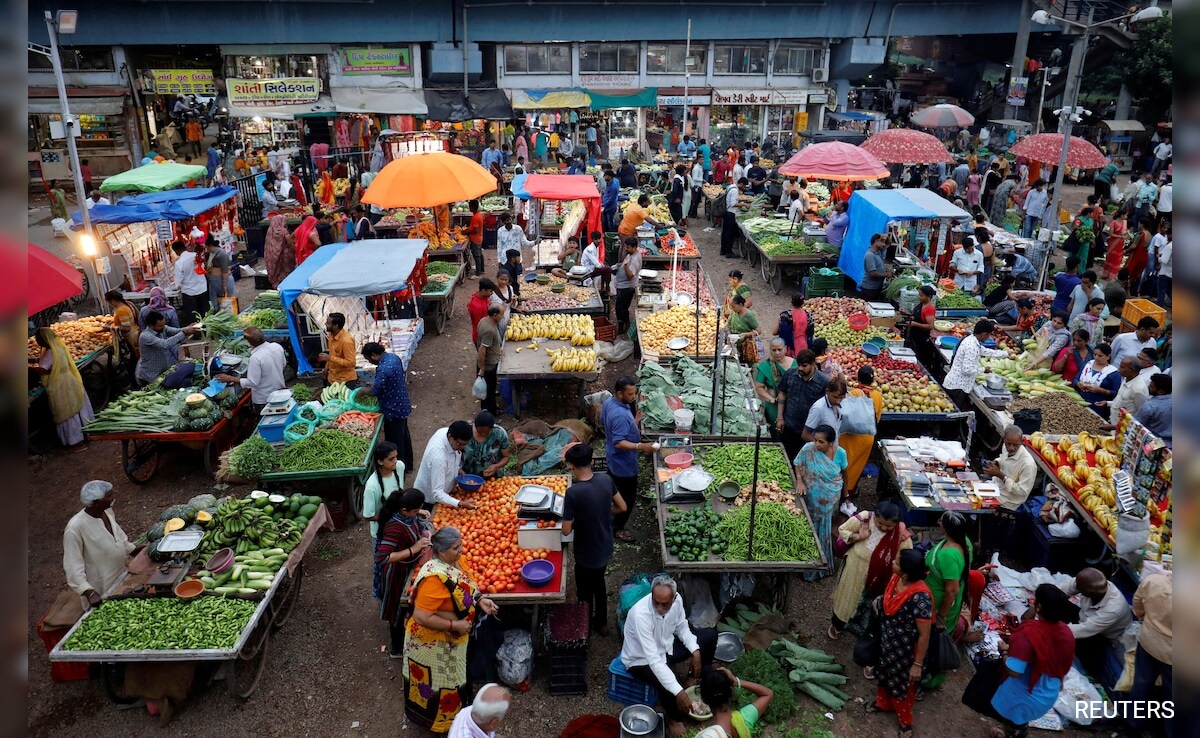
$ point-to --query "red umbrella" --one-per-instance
(906, 146)
(834, 160)
(943, 116)
(1047, 148)
(51, 280)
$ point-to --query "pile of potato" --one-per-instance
(81, 337)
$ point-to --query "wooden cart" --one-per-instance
(439, 306)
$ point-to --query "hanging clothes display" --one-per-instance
(319, 153)
(341, 133)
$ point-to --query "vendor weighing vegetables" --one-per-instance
(441, 464)
(264, 372)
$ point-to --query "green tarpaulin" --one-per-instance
(154, 177)
(646, 98)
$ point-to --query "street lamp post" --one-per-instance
(1071, 98)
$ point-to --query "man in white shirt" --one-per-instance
(1134, 391)
(1129, 344)
(1014, 469)
(264, 371)
(592, 262)
(441, 464)
(95, 548)
(193, 286)
(967, 265)
(1162, 154)
(95, 199)
(964, 365)
(1035, 207)
(1103, 616)
(481, 718)
(509, 237)
(1166, 201)
(656, 636)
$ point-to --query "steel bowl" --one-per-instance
(679, 344)
(995, 382)
(729, 647)
(639, 720)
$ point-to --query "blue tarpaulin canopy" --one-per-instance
(170, 205)
(870, 211)
(358, 269)
(518, 187)
(853, 115)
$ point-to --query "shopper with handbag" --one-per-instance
(861, 411)
(905, 611)
(869, 541)
(949, 563)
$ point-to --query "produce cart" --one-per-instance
(244, 662)
(140, 450)
(923, 510)
(530, 364)
(576, 299)
(439, 305)
(355, 476)
(780, 269)
(734, 387)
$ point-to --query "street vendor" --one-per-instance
(875, 269)
(391, 387)
(964, 363)
(966, 265)
(159, 347)
(623, 442)
(568, 257)
(441, 465)
(588, 510)
(264, 371)
(488, 451)
(656, 636)
(340, 359)
(1015, 472)
(95, 549)
(1103, 616)
(635, 215)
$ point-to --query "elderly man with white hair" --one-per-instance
(657, 635)
(95, 548)
(483, 716)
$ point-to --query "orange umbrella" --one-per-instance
(834, 160)
(428, 180)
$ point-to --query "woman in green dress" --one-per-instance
(767, 378)
(744, 323)
(949, 562)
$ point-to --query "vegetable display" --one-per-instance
(144, 410)
(163, 624)
(735, 461)
(958, 300)
(1029, 382)
(267, 300)
(774, 245)
(1060, 413)
(905, 386)
(839, 333)
(691, 534)
(265, 318)
(335, 391)
(81, 337)
(779, 535)
(252, 572)
(813, 672)
(769, 492)
(449, 268)
(693, 384)
(678, 321)
(357, 423)
(256, 522)
(252, 458)
(325, 449)
(301, 393)
(219, 324)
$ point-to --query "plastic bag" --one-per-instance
(479, 388)
(514, 659)
(1076, 688)
(1132, 533)
(597, 398)
(1064, 530)
(858, 416)
(698, 602)
(632, 589)
(621, 349)
(734, 586)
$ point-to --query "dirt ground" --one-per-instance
(328, 672)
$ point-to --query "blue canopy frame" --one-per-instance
(172, 205)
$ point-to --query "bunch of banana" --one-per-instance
(1076, 454)
(1083, 472)
(580, 330)
(1089, 442)
(1104, 458)
(572, 360)
(1109, 443)
(1066, 475)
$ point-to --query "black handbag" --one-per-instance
(943, 652)
(989, 675)
(866, 648)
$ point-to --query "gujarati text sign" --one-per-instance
(377, 61)
(182, 81)
(282, 91)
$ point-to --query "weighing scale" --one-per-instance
(167, 575)
(277, 416)
(536, 502)
(652, 286)
(226, 362)
(647, 239)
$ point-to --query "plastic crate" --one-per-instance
(606, 330)
(568, 672)
(624, 688)
(1135, 309)
(821, 281)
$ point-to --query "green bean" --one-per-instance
(161, 624)
(779, 535)
(735, 461)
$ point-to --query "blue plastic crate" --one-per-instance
(624, 688)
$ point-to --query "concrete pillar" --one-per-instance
(1124, 103)
(842, 88)
(1020, 50)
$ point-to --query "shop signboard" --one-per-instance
(759, 97)
(182, 81)
(282, 91)
(377, 61)
(1016, 91)
(609, 81)
(675, 101)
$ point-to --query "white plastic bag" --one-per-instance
(514, 659)
(619, 350)
(1064, 530)
(1076, 688)
(1132, 533)
(479, 389)
(597, 398)
(698, 602)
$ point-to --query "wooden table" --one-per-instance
(535, 365)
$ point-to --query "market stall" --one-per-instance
(154, 177)
(337, 278)
(560, 188)
(546, 294)
(932, 476)
(549, 348)
(704, 508)
(681, 396)
(784, 251)
(671, 248)
(677, 313)
(168, 608)
(438, 294)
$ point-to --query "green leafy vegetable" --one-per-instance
(252, 458)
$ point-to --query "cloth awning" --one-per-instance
(567, 187)
(551, 99)
(323, 107)
(450, 106)
(173, 205)
(932, 201)
(647, 98)
(870, 211)
(852, 115)
(383, 100)
(78, 105)
(154, 177)
(51, 280)
(1112, 125)
(358, 269)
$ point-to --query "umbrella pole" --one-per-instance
(754, 491)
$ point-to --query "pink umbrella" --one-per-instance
(1047, 148)
(51, 280)
(906, 146)
(943, 116)
(834, 160)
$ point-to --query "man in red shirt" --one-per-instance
(721, 171)
(475, 237)
(477, 307)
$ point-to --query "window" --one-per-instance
(274, 67)
(740, 60)
(76, 59)
(609, 58)
(790, 59)
(540, 59)
(669, 58)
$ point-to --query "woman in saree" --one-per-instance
(904, 611)
(767, 378)
(1115, 253)
(949, 563)
(279, 251)
(874, 539)
(858, 445)
(819, 467)
(306, 239)
(402, 538)
(447, 603)
(1139, 255)
(69, 402)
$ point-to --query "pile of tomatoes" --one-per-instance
(489, 532)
